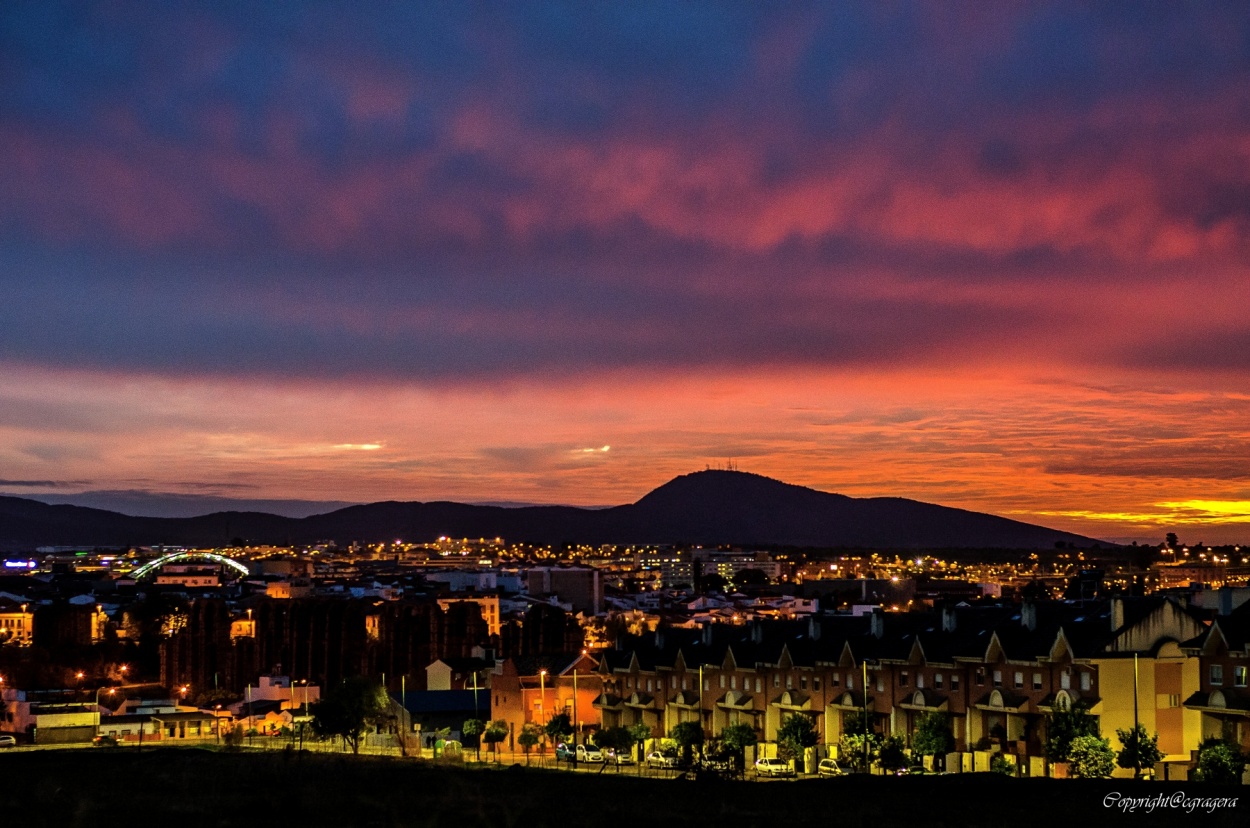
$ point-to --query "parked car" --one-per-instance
(828, 767)
(721, 764)
(773, 767)
(655, 759)
(564, 753)
(104, 741)
(914, 770)
(622, 758)
(589, 753)
(7, 742)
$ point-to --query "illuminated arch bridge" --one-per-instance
(151, 566)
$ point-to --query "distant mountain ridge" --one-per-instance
(707, 507)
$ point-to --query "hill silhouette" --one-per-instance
(707, 507)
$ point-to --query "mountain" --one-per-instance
(708, 507)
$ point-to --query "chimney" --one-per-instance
(877, 627)
(1117, 613)
(1028, 615)
(948, 619)
(813, 628)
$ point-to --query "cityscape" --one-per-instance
(680, 412)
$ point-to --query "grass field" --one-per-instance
(190, 787)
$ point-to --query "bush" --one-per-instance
(1091, 757)
(1001, 764)
(1220, 762)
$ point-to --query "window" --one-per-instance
(954, 681)
(1065, 679)
(789, 682)
(880, 684)
(903, 678)
(733, 682)
(722, 682)
(937, 681)
(1239, 676)
(1037, 681)
(684, 682)
(707, 684)
(980, 677)
(815, 682)
(850, 682)
(920, 680)
(776, 681)
(835, 680)
(802, 682)
(1019, 684)
(672, 682)
(998, 678)
(759, 686)
(1217, 674)
(648, 685)
(1086, 681)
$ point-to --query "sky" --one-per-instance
(992, 256)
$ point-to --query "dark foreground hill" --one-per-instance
(709, 507)
(189, 788)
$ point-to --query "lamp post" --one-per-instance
(864, 664)
(98, 720)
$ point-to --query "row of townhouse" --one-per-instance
(1222, 698)
(997, 671)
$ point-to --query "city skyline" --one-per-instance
(987, 258)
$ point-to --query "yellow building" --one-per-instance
(17, 624)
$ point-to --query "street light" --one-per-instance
(98, 719)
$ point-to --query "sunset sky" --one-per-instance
(991, 255)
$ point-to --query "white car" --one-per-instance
(615, 758)
(589, 753)
(773, 767)
(655, 759)
(828, 767)
(7, 741)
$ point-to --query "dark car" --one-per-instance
(104, 741)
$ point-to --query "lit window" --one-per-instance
(1019, 680)
(920, 680)
(1065, 680)
(1239, 676)
(1037, 681)
(937, 681)
(759, 686)
(1086, 681)
(998, 678)
(1217, 674)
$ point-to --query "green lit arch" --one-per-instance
(152, 566)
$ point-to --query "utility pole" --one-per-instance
(1136, 725)
(864, 664)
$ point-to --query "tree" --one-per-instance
(1140, 751)
(1091, 757)
(750, 577)
(559, 728)
(891, 756)
(796, 734)
(475, 728)
(349, 710)
(687, 735)
(858, 750)
(1002, 765)
(528, 737)
(1065, 724)
(1220, 762)
(737, 738)
(934, 735)
(1171, 540)
(495, 733)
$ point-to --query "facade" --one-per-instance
(1222, 697)
(489, 605)
(533, 689)
(996, 672)
(579, 586)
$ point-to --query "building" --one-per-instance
(581, 587)
(489, 605)
(459, 674)
(533, 689)
(17, 623)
